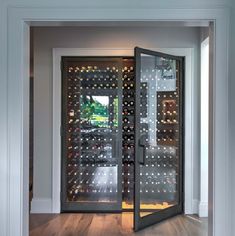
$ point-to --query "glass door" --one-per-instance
(159, 137)
(91, 134)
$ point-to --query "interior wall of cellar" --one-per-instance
(47, 38)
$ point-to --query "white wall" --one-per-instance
(5, 216)
(3, 123)
(124, 3)
(232, 114)
(204, 132)
(89, 37)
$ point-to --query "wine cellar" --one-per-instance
(99, 134)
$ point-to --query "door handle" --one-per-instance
(142, 148)
(142, 155)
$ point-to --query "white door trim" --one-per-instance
(17, 44)
(189, 117)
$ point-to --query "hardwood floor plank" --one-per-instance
(127, 223)
(112, 225)
(96, 226)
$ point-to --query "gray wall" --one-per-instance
(46, 38)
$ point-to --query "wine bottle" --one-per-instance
(125, 120)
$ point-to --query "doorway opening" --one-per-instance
(102, 122)
(99, 110)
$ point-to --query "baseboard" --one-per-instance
(41, 205)
(203, 209)
(195, 206)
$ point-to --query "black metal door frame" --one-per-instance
(139, 223)
(88, 206)
(142, 222)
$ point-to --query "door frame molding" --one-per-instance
(15, 115)
(189, 145)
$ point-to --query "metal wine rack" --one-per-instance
(94, 170)
(160, 132)
(128, 132)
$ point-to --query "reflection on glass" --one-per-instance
(159, 134)
(92, 132)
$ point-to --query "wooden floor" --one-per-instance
(112, 225)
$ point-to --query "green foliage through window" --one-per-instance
(94, 113)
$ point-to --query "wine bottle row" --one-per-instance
(128, 129)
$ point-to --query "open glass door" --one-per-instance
(159, 137)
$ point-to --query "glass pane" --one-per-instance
(159, 134)
(92, 131)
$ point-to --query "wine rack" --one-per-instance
(98, 121)
(128, 132)
(160, 133)
(91, 162)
